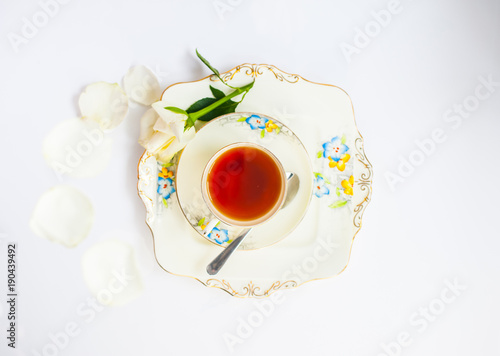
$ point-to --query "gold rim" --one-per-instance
(366, 184)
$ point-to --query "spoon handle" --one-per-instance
(221, 259)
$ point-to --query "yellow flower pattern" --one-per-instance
(261, 123)
(165, 173)
(270, 126)
(340, 164)
(348, 185)
(335, 152)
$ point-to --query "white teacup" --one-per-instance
(244, 184)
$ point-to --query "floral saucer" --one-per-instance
(322, 117)
(242, 127)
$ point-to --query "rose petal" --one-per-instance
(151, 139)
(105, 104)
(64, 215)
(174, 120)
(188, 135)
(141, 85)
(147, 123)
(158, 141)
(162, 126)
(162, 132)
(165, 155)
(78, 148)
(178, 130)
(110, 272)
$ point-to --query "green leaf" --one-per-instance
(343, 139)
(215, 71)
(218, 94)
(166, 165)
(242, 119)
(278, 130)
(217, 224)
(226, 108)
(201, 222)
(262, 133)
(165, 202)
(338, 204)
(320, 153)
(207, 109)
(200, 104)
(176, 110)
(338, 191)
(207, 63)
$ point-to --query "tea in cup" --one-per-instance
(244, 184)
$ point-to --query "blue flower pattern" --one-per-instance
(320, 188)
(165, 187)
(219, 235)
(334, 149)
(257, 122)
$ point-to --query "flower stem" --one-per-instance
(244, 89)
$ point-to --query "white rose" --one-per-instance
(162, 132)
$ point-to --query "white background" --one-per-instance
(439, 224)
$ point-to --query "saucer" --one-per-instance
(322, 117)
(243, 127)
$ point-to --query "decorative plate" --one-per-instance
(322, 117)
(223, 131)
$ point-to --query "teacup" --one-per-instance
(244, 184)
